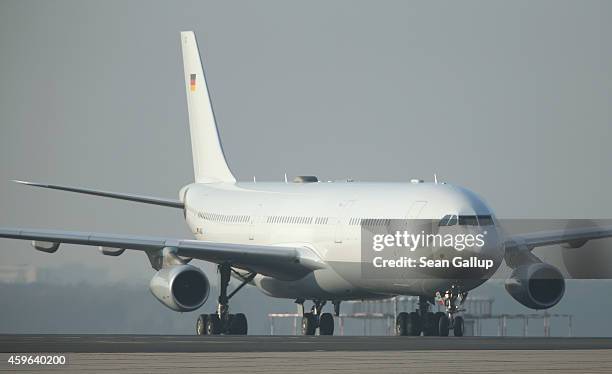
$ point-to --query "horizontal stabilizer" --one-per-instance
(112, 195)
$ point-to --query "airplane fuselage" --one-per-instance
(323, 218)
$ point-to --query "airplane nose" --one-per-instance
(476, 252)
(492, 248)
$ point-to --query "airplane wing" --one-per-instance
(285, 263)
(574, 238)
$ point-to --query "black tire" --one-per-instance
(443, 325)
(401, 328)
(238, 324)
(201, 324)
(213, 325)
(430, 324)
(458, 326)
(438, 316)
(413, 324)
(326, 324)
(308, 324)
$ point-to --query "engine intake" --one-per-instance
(536, 286)
(182, 288)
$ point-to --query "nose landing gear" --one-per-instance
(452, 299)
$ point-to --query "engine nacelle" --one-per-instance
(182, 288)
(536, 285)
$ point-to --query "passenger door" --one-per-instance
(255, 221)
(341, 229)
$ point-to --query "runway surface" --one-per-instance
(451, 362)
(319, 354)
(186, 343)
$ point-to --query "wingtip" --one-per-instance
(25, 182)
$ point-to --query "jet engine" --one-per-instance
(536, 285)
(182, 288)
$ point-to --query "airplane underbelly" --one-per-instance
(403, 283)
(320, 284)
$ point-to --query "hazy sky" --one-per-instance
(511, 99)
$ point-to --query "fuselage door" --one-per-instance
(415, 210)
(254, 221)
(414, 218)
(342, 225)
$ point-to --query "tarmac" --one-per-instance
(302, 354)
(220, 343)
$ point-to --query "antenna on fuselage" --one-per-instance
(286, 178)
(254, 179)
(435, 178)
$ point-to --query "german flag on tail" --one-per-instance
(192, 83)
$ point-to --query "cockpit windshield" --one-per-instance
(448, 220)
(466, 220)
(485, 220)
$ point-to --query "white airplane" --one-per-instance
(301, 240)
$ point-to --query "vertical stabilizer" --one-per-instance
(209, 162)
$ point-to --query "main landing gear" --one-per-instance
(315, 319)
(434, 324)
(222, 322)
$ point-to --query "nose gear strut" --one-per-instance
(452, 300)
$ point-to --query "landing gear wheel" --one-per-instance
(308, 324)
(400, 324)
(413, 324)
(213, 325)
(238, 324)
(436, 323)
(443, 325)
(458, 326)
(222, 322)
(201, 324)
(430, 324)
(326, 324)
